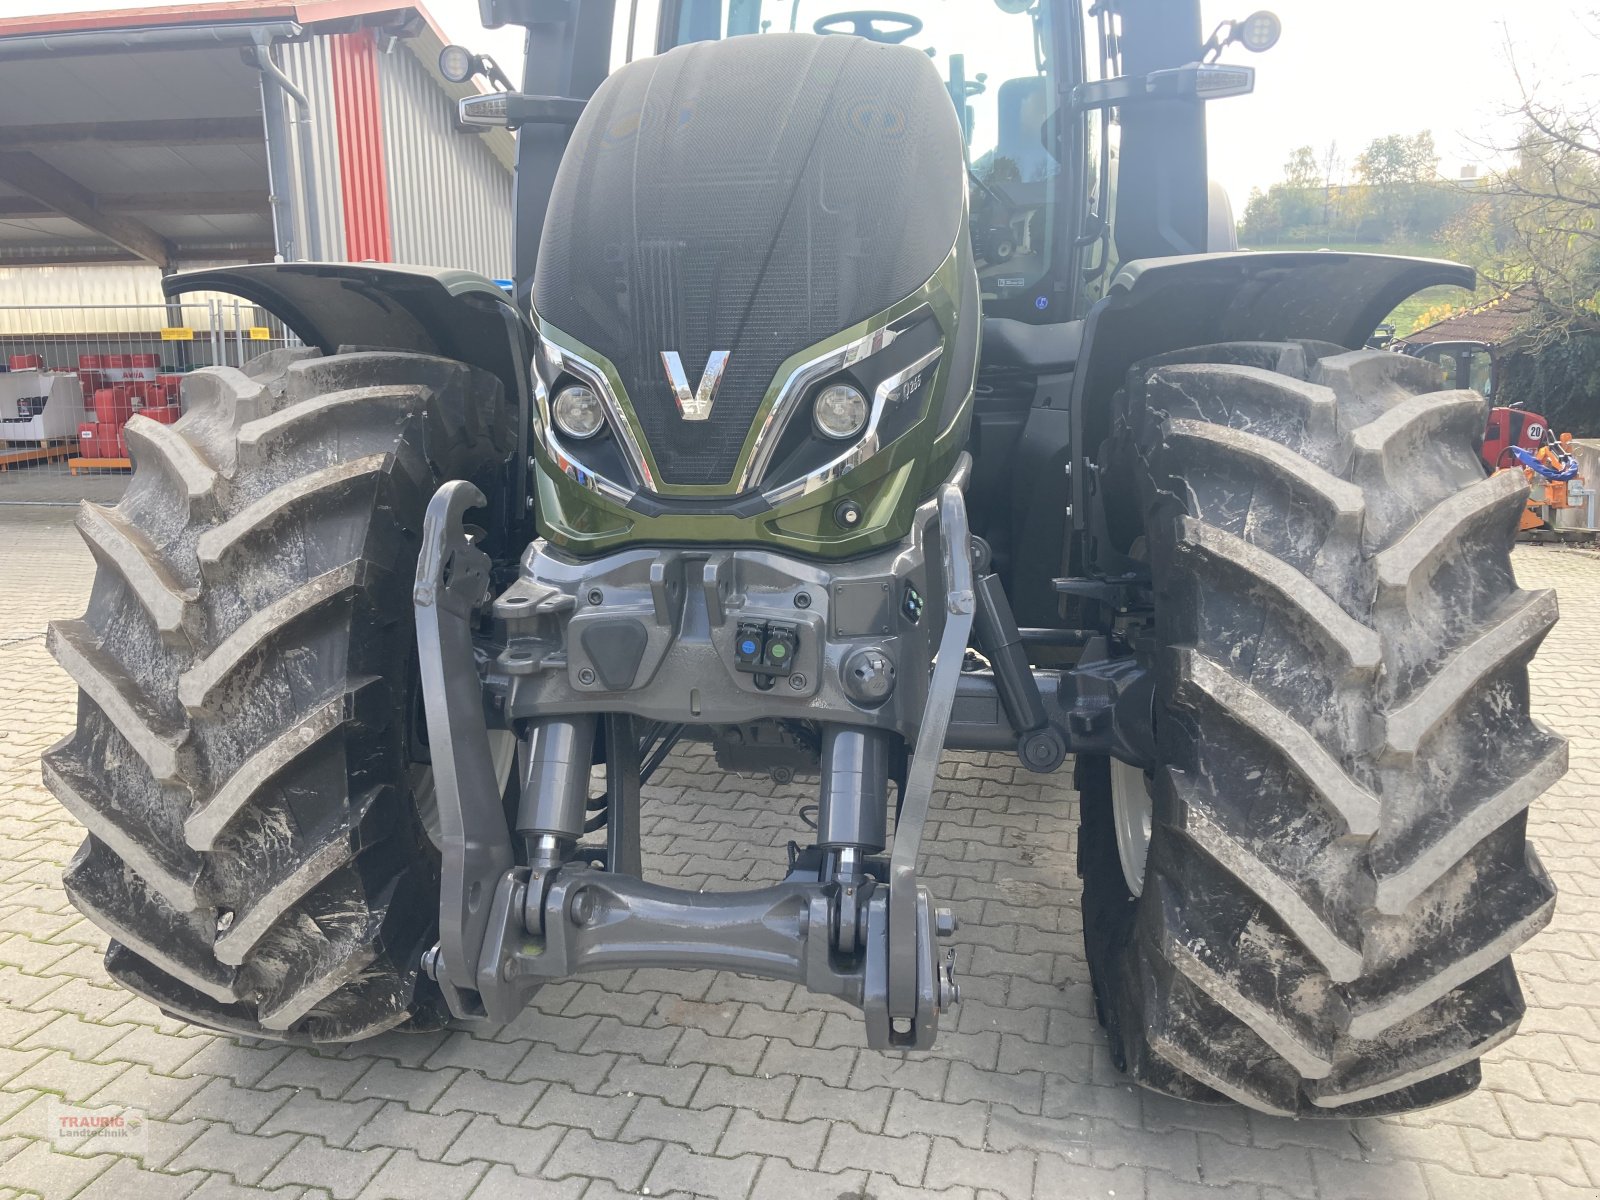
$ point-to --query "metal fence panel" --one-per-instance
(74, 374)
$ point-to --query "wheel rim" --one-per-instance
(1130, 795)
(1131, 809)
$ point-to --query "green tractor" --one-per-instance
(776, 445)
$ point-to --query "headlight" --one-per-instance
(839, 411)
(578, 412)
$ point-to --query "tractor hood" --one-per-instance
(751, 198)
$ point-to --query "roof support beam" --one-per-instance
(31, 175)
(189, 131)
(77, 256)
(206, 204)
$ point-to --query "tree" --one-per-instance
(1332, 168)
(1541, 218)
(1263, 216)
(1293, 204)
(1538, 221)
(1302, 171)
(1397, 195)
(1395, 171)
(1398, 159)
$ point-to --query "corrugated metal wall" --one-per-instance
(110, 283)
(108, 297)
(308, 63)
(363, 174)
(449, 196)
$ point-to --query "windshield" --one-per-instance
(996, 59)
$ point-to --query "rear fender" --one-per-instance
(422, 310)
(1159, 305)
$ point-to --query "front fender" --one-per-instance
(425, 310)
(421, 310)
(1162, 304)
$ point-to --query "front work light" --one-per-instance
(1259, 31)
(457, 64)
(578, 412)
(840, 411)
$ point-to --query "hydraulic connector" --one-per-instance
(765, 647)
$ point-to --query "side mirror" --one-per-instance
(1197, 81)
(497, 13)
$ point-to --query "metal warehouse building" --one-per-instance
(136, 142)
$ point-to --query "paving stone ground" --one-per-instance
(713, 1085)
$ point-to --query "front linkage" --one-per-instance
(709, 639)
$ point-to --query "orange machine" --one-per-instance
(1550, 470)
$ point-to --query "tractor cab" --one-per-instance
(1003, 67)
(1466, 365)
(1033, 83)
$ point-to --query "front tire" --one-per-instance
(1338, 869)
(245, 753)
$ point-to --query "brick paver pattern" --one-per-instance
(709, 1084)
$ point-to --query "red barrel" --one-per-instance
(167, 414)
(112, 405)
(109, 443)
(25, 362)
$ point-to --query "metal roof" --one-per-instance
(1497, 322)
(303, 12)
(137, 134)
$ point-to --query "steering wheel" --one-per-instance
(864, 23)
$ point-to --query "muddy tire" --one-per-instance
(243, 759)
(1337, 869)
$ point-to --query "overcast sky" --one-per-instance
(1354, 70)
(1346, 71)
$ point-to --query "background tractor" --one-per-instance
(778, 447)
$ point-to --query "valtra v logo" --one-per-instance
(695, 405)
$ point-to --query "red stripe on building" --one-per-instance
(362, 176)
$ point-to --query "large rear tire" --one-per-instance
(1337, 870)
(245, 753)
